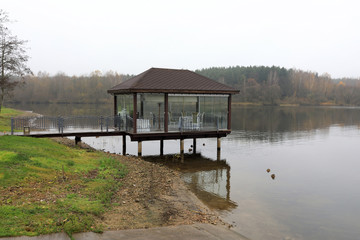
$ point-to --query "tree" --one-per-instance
(13, 60)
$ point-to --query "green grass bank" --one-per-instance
(5, 118)
(47, 187)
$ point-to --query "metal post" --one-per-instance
(101, 122)
(107, 124)
(62, 125)
(59, 126)
(12, 126)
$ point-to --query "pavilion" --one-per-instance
(161, 104)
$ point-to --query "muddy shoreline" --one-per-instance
(151, 195)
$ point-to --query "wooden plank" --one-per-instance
(80, 134)
(139, 136)
(177, 135)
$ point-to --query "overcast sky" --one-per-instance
(79, 36)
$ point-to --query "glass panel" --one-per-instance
(125, 111)
(187, 112)
(150, 107)
(190, 112)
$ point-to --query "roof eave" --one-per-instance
(185, 91)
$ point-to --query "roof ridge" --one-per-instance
(141, 77)
(172, 80)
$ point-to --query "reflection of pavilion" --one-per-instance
(208, 179)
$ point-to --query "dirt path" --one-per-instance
(152, 195)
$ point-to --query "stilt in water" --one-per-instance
(139, 148)
(77, 140)
(194, 146)
(182, 150)
(218, 149)
(161, 147)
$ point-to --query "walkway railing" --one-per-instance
(46, 123)
(114, 123)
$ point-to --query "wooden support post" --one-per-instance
(135, 112)
(115, 112)
(124, 144)
(218, 148)
(182, 150)
(194, 146)
(161, 147)
(115, 105)
(139, 148)
(77, 140)
(166, 112)
(229, 113)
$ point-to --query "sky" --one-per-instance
(77, 37)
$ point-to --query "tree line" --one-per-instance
(276, 85)
(61, 88)
(257, 84)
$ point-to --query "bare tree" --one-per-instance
(13, 59)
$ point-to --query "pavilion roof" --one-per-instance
(161, 80)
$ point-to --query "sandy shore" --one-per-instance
(152, 195)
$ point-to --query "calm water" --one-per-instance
(313, 152)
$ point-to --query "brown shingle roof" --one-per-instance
(160, 80)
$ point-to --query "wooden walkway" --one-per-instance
(140, 137)
(137, 136)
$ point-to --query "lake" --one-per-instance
(313, 152)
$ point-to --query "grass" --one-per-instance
(46, 187)
(5, 118)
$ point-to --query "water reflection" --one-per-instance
(208, 179)
(274, 123)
